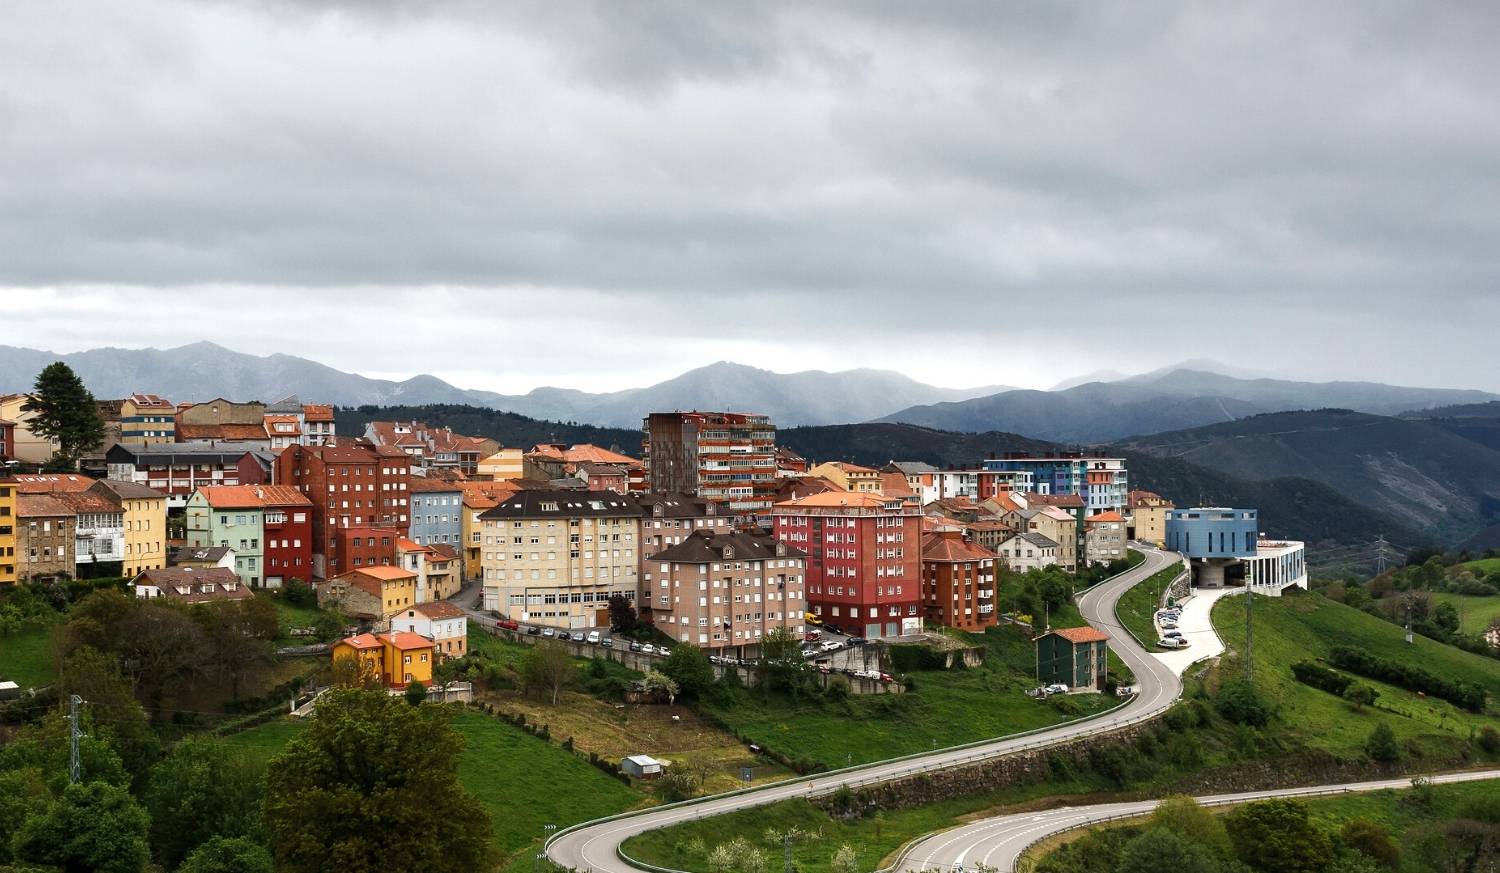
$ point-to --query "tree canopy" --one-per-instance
(64, 411)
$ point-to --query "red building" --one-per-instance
(350, 485)
(362, 547)
(958, 581)
(864, 553)
(288, 524)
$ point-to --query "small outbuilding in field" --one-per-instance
(641, 766)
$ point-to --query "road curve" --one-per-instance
(593, 846)
(999, 842)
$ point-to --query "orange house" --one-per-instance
(399, 659)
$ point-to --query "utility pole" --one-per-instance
(1380, 545)
(1407, 599)
(786, 852)
(75, 769)
(1249, 627)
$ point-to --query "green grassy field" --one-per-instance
(947, 707)
(1295, 628)
(875, 838)
(1136, 607)
(1475, 614)
(1483, 565)
(523, 781)
(26, 657)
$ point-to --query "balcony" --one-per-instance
(986, 608)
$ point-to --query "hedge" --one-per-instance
(1318, 676)
(1462, 694)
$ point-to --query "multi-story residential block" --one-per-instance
(9, 496)
(283, 431)
(288, 520)
(145, 511)
(958, 581)
(1077, 657)
(1055, 524)
(369, 546)
(1101, 481)
(350, 485)
(729, 457)
(668, 519)
(7, 440)
(177, 470)
(43, 536)
(436, 566)
(289, 421)
(556, 557)
(318, 427)
(232, 516)
(439, 621)
(1148, 516)
(921, 478)
(98, 532)
(1028, 551)
(146, 419)
(503, 464)
(1072, 504)
(27, 446)
(850, 477)
(722, 589)
(371, 594)
(864, 560)
(989, 533)
(436, 511)
(478, 497)
(1105, 538)
(789, 463)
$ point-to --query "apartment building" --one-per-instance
(349, 485)
(1105, 538)
(232, 516)
(958, 581)
(436, 511)
(146, 419)
(43, 537)
(850, 477)
(24, 445)
(145, 517)
(728, 457)
(556, 557)
(98, 532)
(863, 559)
(428, 446)
(9, 496)
(668, 519)
(1147, 518)
(1102, 481)
(725, 590)
(177, 469)
(1028, 551)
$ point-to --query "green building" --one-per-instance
(1073, 656)
(233, 516)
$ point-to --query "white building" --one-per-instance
(439, 621)
(1028, 551)
(1276, 566)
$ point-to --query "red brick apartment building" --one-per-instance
(863, 559)
(350, 485)
(958, 581)
(729, 457)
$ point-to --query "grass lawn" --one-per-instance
(947, 707)
(875, 837)
(1136, 607)
(1475, 614)
(293, 616)
(26, 657)
(1305, 626)
(523, 781)
(1483, 565)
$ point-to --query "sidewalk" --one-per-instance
(1198, 629)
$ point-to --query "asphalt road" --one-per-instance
(592, 846)
(999, 842)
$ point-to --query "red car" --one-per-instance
(508, 624)
(812, 636)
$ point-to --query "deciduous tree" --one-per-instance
(689, 667)
(1276, 836)
(547, 667)
(200, 790)
(371, 785)
(92, 826)
(228, 855)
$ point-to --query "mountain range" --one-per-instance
(1167, 400)
(204, 370)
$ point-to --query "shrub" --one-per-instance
(1371, 840)
(1318, 676)
(1361, 695)
(1462, 694)
(1381, 744)
(1489, 739)
(1239, 702)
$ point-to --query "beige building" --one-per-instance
(147, 419)
(1148, 517)
(145, 524)
(1104, 536)
(850, 477)
(556, 557)
(503, 464)
(1052, 523)
(29, 447)
(726, 590)
(1029, 551)
(668, 519)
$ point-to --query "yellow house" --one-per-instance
(504, 464)
(371, 593)
(1148, 516)
(29, 447)
(8, 522)
(399, 659)
(145, 511)
(850, 477)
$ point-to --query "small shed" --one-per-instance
(1072, 656)
(641, 766)
(9, 690)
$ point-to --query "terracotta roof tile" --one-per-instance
(1081, 634)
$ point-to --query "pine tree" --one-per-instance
(65, 412)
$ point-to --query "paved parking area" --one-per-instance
(1198, 629)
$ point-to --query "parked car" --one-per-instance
(607, 642)
(1174, 634)
(508, 624)
(831, 646)
(533, 630)
(594, 638)
(648, 649)
(635, 647)
(812, 619)
(564, 635)
(1172, 643)
(854, 641)
(812, 636)
(663, 651)
(1056, 688)
(1168, 625)
(548, 632)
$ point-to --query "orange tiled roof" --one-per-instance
(1105, 516)
(52, 483)
(1081, 634)
(227, 432)
(40, 506)
(261, 496)
(952, 546)
(407, 640)
(383, 573)
(438, 609)
(856, 499)
(317, 412)
(362, 641)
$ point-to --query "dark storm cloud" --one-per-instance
(876, 167)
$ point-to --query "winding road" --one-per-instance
(593, 846)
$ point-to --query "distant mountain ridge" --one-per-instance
(204, 370)
(1176, 399)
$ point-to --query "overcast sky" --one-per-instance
(604, 195)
